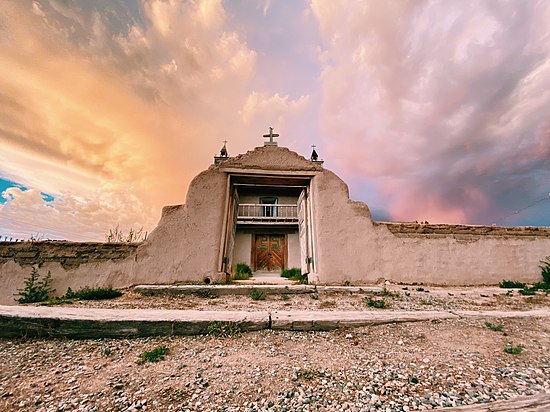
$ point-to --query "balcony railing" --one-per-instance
(267, 213)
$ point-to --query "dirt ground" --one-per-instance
(394, 367)
(403, 298)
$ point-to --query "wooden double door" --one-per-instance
(269, 252)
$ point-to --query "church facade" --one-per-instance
(272, 209)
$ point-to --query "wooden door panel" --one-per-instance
(270, 252)
(276, 248)
(262, 252)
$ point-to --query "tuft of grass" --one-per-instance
(106, 351)
(242, 272)
(388, 293)
(495, 328)
(206, 294)
(155, 355)
(314, 296)
(310, 374)
(88, 293)
(174, 394)
(511, 284)
(258, 294)
(35, 290)
(224, 329)
(376, 303)
(513, 350)
(420, 289)
(528, 291)
(347, 283)
(327, 304)
(57, 301)
(285, 296)
(294, 274)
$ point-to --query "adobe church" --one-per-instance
(272, 208)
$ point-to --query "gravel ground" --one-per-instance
(395, 367)
(409, 298)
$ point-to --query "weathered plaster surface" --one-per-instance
(352, 247)
(69, 255)
(185, 245)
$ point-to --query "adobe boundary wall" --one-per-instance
(348, 246)
(351, 247)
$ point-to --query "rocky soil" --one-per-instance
(394, 367)
(398, 298)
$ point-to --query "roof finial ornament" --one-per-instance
(223, 152)
(314, 155)
(224, 155)
(271, 135)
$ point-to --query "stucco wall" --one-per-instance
(351, 247)
(72, 265)
(293, 260)
(185, 246)
(243, 248)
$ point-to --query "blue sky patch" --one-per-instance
(6, 184)
(47, 197)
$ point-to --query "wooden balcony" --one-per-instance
(255, 213)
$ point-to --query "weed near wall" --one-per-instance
(35, 290)
(88, 293)
(242, 271)
(294, 274)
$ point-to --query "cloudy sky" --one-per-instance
(429, 110)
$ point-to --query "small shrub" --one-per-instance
(35, 290)
(495, 328)
(314, 296)
(420, 289)
(224, 329)
(513, 350)
(155, 355)
(258, 294)
(511, 284)
(294, 274)
(528, 291)
(376, 303)
(106, 351)
(116, 235)
(206, 294)
(541, 286)
(291, 273)
(348, 283)
(88, 293)
(388, 293)
(545, 270)
(285, 296)
(242, 272)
